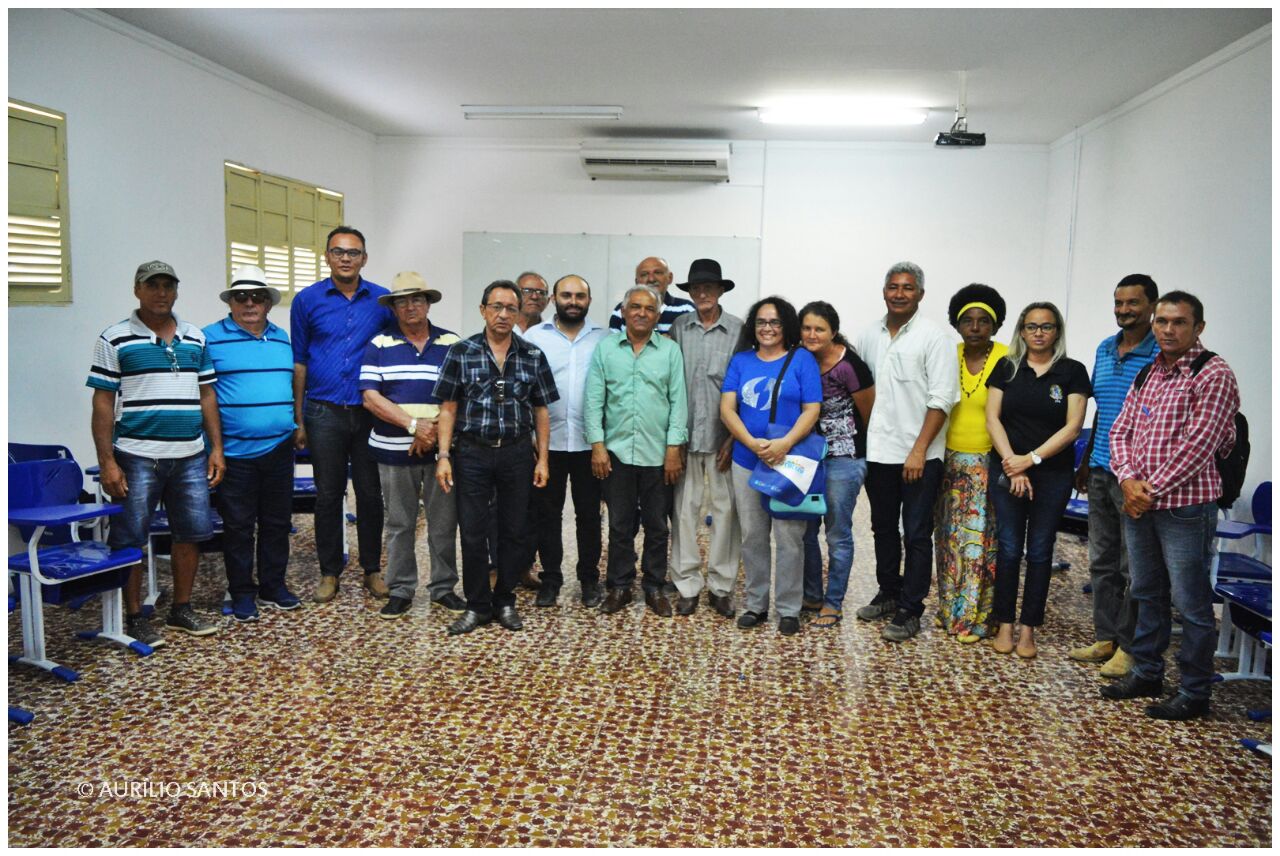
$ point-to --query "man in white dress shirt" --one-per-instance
(568, 340)
(917, 383)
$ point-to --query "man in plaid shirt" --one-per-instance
(1163, 446)
(494, 389)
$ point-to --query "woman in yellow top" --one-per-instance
(965, 537)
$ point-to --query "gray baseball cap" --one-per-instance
(146, 270)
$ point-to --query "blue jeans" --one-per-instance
(845, 476)
(891, 498)
(1032, 523)
(336, 437)
(182, 483)
(1170, 552)
(257, 493)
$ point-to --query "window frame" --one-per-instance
(35, 293)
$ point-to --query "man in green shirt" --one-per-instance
(635, 416)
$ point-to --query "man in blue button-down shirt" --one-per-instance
(331, 322)
(568, 340)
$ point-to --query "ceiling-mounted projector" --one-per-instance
(960, 135)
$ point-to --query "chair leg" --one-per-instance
(153, 586)
(113, 625)
(33, 651)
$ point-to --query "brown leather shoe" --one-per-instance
(616, 600)
(659, 604)
(529, 580)
(721, 603)
(327, 589)
(687, 605)
(375, 585)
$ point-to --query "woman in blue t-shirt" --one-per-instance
(772, 329)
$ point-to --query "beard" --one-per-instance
(570, 314)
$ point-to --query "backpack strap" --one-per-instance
(777, 386)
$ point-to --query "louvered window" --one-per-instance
(280, 225)
(39, 234)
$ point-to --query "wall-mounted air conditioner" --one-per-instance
(655, 160)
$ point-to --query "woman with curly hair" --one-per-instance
(965, 537)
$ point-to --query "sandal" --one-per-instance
(827, 619)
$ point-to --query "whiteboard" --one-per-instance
(607, 262)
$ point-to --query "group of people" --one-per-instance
(965, 450)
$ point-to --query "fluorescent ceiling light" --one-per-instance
(491, 111)
(843, 111)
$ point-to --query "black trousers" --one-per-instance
(568, 468)
(893, 499)
(632, 492)
(479, 471)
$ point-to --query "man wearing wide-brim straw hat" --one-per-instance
(397, 381)
(254, 361)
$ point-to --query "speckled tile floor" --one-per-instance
(625, 730)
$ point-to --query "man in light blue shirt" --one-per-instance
(569, 340)
(635, 416)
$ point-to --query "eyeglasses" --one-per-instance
(500, 390)
(415, 300)
(502, 308)
(1039, 328)
(769, 323)
(340, 252)
(173, 357)
(535, 292)
(246, 296)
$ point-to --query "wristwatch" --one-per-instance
(1036, 460)
(413, 426)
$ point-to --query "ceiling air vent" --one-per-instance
(656, 161)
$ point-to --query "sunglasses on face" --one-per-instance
(255, 296)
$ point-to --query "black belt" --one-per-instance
(477, 440)
(332, 406)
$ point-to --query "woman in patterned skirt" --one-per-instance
(965, 537)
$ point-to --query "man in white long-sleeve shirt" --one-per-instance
(917, 383)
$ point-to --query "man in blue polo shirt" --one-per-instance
(153, 409)
(1117, 363)
(254, 362)
(331, 322)
(397, 379)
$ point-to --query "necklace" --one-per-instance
(981, 374)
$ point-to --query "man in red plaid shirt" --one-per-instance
(1163, 446)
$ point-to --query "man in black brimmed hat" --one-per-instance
(707, 338)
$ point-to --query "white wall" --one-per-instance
(147, 136)
(831, 218)
(1177, 184)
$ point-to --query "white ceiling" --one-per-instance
(1033, 75)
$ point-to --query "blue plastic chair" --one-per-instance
(44, 493)
(1078, 507)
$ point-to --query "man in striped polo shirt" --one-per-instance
(155, 370)
(397, 380)
(254, 362)
(1117, 363)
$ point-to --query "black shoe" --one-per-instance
(721, 603)
(1179, 707)
(789, 626)
(140, 629)
(658, 604)
(617, 599)
(687, 605)
(751, 619)
(1132, 686)
(184, 618)
(547, 596)
(669, 589)
(451, 602)
(396, 607)
(592, 595)
(469, 621)
(509, 618)
(881, 605)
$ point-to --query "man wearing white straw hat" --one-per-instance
(254, 362)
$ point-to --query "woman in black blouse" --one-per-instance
(1035, 407)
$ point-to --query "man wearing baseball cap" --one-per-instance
(159, 369)
(397, 380)
(254, 363)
